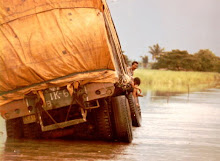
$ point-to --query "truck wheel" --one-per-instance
(14, 128)
(135, 111)
(32, 131)
(122, 119)
(103, 121)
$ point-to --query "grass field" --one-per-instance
(176, 81)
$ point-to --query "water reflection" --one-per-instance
(57, 149)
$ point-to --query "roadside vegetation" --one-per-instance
(176, 81)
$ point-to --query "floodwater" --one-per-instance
(178, 127)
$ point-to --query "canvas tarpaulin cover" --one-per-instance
(41, 41)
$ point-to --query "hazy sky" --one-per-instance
(174, 24)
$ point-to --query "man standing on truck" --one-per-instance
(132, 68)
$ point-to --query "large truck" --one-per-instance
(63, 72)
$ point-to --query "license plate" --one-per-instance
(57, 97)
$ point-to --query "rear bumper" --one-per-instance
(86, 93)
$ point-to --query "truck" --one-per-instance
(63, 72)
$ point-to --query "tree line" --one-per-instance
(204, 60)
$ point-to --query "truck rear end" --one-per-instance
(62, 71)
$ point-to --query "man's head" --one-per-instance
(134, 65)
(137, 81)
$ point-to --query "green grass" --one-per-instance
(176, 81)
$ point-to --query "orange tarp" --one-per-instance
(48, 39)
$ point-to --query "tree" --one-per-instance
(156, 51)
(208, 61)
(144, 60)
(175, 60)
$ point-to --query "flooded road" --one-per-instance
(175, 128)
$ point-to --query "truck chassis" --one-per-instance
(98, 108)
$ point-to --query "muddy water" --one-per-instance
(181, 127)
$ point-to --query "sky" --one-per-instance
(174, 24)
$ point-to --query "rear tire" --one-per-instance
(14, 128)
(122, 119)
(135, 111)
(103, 121)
